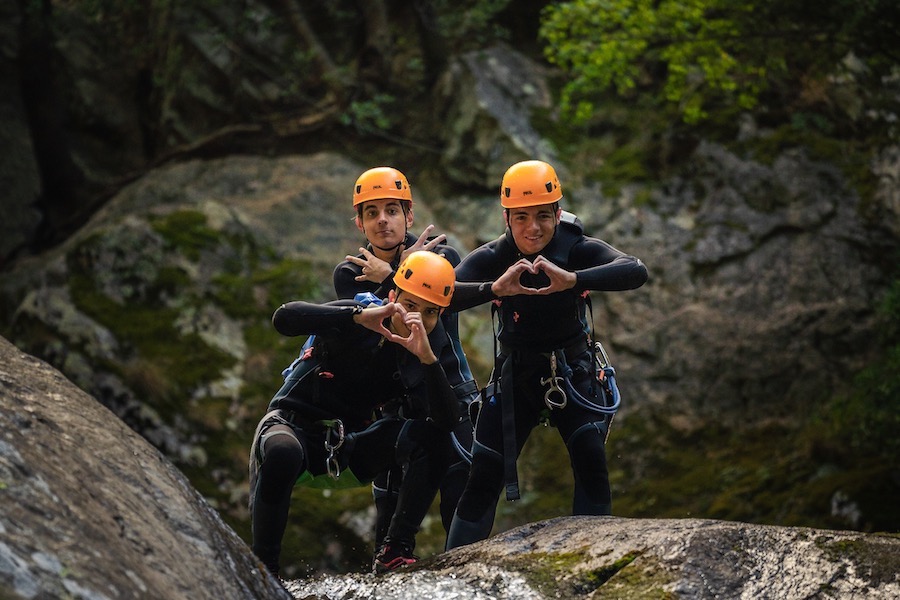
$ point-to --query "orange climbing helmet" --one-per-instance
(380, 183)
(529, 183)
(427, 275)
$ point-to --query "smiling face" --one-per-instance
(412, 303)
(532, 227)
(384, 223)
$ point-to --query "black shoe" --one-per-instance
(392, 556)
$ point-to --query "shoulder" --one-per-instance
(486, 261)
(345, 267)
(344, 279)
(449, 252)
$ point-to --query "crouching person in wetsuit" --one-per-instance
(383, 201)
(539, 273)
(321, 424)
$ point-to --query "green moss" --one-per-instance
(870, 555)
(186, 230)
(558, 575)
(600, 576)
(544, 571)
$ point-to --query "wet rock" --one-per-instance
(610, 557)
(91, 510)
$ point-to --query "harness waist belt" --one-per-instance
(300, 420)
(570, 351)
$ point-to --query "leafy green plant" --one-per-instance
(704, 56)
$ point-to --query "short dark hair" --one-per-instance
(405, 206)
(554, 208)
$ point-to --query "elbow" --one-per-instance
(281, 320)
(641, 274)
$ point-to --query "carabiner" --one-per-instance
(335, 427)
(553, 383)
(332, 466)
(554, 389)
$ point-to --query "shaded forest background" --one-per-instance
(108, 92)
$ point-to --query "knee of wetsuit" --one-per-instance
(418, 440)
(387, 484)
(282, 463)
(282, 453)
(463, 532)
(484, 484)
(452, 486)
(587, 446)
(406, 448)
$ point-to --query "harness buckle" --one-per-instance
(553, 389)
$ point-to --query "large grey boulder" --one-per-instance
(610, 557)
(91, 510)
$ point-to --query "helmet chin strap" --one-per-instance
(383, 249)
(395, 246)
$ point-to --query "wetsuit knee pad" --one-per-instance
(282, 462)
(484, 484)
(407, 448)
(589, 438)
(587, 449)
(281, 451)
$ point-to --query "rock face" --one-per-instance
(610, 557)
(91, 510)
(763, 284)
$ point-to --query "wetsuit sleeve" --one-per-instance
(469, 294)
(448, 252)
(344, 283)
(598, 266)
(443, 407)
(305, 318)
(346, 286)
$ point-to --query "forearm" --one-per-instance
(623, 273)
(603, 268)
(470, 293)
(304, 318)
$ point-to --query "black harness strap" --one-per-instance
(508, 412)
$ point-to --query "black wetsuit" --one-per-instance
(386, 485)
(350, 375)
(532, 328)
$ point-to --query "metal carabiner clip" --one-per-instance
(332, 466)
(336, 427)
(553, 389)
